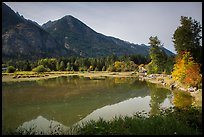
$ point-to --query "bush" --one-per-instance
(111, 68)
(40, 68)
(10, 69)
(119, 66)
(82, 69)
(4, 65)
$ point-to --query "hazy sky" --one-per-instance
(130, 21)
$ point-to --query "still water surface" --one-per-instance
(73, 99)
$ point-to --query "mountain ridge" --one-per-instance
(25, 39)
(65, 37)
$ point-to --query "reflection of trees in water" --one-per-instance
(182, 99)
(80, 80)
(17, 85)
(80, 83)
(62, 98)
(59, 81)
(139, 83)
(124, 80)
(158, 95)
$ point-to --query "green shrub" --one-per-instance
(111, 68)
(41, 68)
(10, 69)
(82, 68)
(4, 65)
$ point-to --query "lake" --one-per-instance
(73, 99)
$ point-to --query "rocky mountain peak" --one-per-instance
(65, 37)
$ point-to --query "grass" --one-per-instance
(33, 73)
(5, 74)
(30, 75)
(179, 122)
(173, 121)
(60, 72)
(24, 73)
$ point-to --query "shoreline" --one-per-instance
(167, 82)
(93, 74)
(162, 80)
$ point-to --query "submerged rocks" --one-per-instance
(164, 84)
(152, 76)
(192, 89)
(172, 86)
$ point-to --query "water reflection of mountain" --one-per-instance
(124, 108)
(69, 101)
(41, 126)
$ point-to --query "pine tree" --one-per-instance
(187, 37)
(157, 55)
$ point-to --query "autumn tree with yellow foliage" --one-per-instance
(187, 69)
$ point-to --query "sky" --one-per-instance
(134, 22)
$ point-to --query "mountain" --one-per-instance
(77, 36)
(25, 39)
(68, 36)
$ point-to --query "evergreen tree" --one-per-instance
(157, 55)
(62, 66)
(187, 38)
(68, 66)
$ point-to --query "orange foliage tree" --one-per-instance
(193, 76)
(186, 70)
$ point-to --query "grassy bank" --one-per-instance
(32, 76)
(173, 121)
(179, 122)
